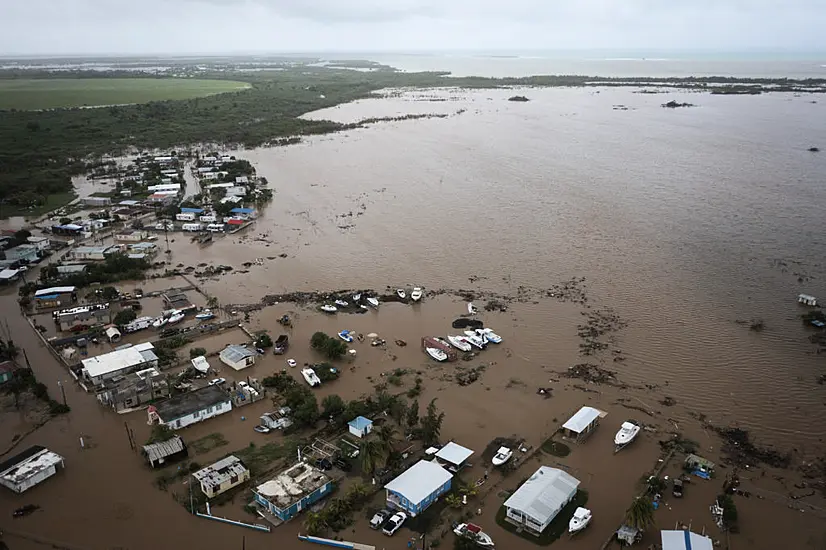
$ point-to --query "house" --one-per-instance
(360, 426)
(71, 269)
(582, 424)
(178, 301)
(25, 470)
(242, 180)
(7, 370)
(237, 357)
(92, 253)
(236, 191)
(8, 276)
(119, 362)
(293, 490)
(244, 213)
(222, 476)
(191, 407)
(158, 454)
(696, 462)
(55, 296)
(277, 420)
(537, 501)
(684, 540)
(453, 456)
(212, 186)
(41, 243)
(142, 248)
(232, 199)
(67, 229)
(96, 201)
(418, 487)
(134, 390)
(133, 236)
(162, 197)
(26, 253)
(66, 319)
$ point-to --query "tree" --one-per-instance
(431, 424)
(8, 350)
(387, 435)
(197, 352)
(315, 523)
(397, 410)
(330, 347)
(212, 302)
(357, 494)
(640, 514)
(125, 316)
(413, 415)
(160, 432)
(264, 340)
(332, 406)
(109, 293)
(318, 340)
(372, 455)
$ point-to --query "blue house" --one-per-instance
(418, 487)
(293, 490)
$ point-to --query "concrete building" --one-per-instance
(25, 470)
(222, 476)
(537, 501)
(92, 253)
(41, 243)
(55, 296)
(583, 423)
(66, 319)
(158, 454)
(277, 420)
(237, 357)
(453, 456)
(418, 487)
(292, 491)
(119, 362)
(360, 426)
(134, 390)
(26, 253)
(192, 407)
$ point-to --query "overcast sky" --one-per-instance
(237, 26)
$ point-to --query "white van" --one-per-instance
(192, 227)
(208, 218)
(215, 227)
(185, 216)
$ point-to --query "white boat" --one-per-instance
(436, 354)
(502, 455)
(176, 317)
(205, 314)
(416, 295)
(489, 335)
(311, 377)
(460, 343)
(472, 308)
(474, 533)
(401, 293)
(345, 335)
(626, 434)
(356, 298)
(341, 303)
(581, 519)
(475, 339)
(373, 302)
(327, 308)
(159, 322)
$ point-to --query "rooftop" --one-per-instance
(8, 366)
(360, 422)
(54, 290)
(543, 493)
(292, 485)
(91, 249)
(222, 470)
(685, 540)
(419, 481)
(9, 273)
(163, 449)
(187, 403)
(30, 462)
(234, 353)
(454, 453)
(582, 419)
(119, 359)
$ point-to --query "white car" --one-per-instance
(394, 523)
(243, 384)
(292, 362)
(217, 381)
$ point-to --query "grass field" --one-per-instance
(53, 202)
(31, 94)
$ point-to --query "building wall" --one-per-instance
(212, 491)
(518, 516)
(58, 301)
(32, 481)
(417, 508)
(297, 507)
(200, 416)
(238, 365)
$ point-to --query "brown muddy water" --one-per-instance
(682, 222)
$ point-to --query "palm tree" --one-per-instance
(387, 436)
(314, 522)
(357, 493)
(640, 514)
(372, 455)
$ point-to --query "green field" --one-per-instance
(52, 93)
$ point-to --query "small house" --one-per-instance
(237, 357)
(807, 299)
(418, 487)
(360, 426)
(26, 253)
(8, 276)
(25, 470)
(222, 476)
(163, 452)
(134, 390)
(582, 424)
(453, 456)
(189, 408)
(684, 540)
(56, 296)
(92, 253)
(41, 243)
(96, 201)
(133, 236)
(293, 490)
(243, 213)
(7, 370)
(537, 501)
(696, 462)
(277, 420)
(241, 180)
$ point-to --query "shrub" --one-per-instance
(196, 352)
(125, 316)
(264, 341)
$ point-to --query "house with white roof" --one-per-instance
(222, 476)
(119, 362)
(25, 470)
(684, 540)
(453, 456)
(418, 487)
(583, 423)
(538, 501)
(191, 407)
(237, 357)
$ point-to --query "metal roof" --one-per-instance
(360, 422)
(234, 353)
(190, 402)
(36, 459)
(242, 210)
(544, 493)
(192, 210)
(54, 290)
(582, 419)
(684, 540)
(454, 453)
(221, 471)
(163, 449)
(119, 360)
(419, 481)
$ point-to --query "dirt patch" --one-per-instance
(741, 451)
(593, 374)
(467, 376)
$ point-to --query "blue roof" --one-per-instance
(46, 297)
(242, 210)
(193, 210)
(360, 422)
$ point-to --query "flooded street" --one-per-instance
(687, 224)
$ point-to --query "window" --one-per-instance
(233, 479)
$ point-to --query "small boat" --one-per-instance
(159, 322)
(502, 455)
(341, 303)
(416, 295)
(374, 302)
(626, 434)
(311, 377)
(356, 298)
(460, 343)
(292, 363)
(472, 308)
(401, 293)
(476, 340)
(205, 314)
(176, 317)
(581, 519)
(327, 308)
(345, 335)
(25, 510)
(489, 335)
(436, 354)
(474, 533)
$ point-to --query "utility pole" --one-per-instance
(63, 392)
(26, 357)
(129, 436)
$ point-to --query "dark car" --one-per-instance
(323, 464)
(677, 489)
(342, 464)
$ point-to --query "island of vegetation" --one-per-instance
(520, 98)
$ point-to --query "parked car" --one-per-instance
(394, 523)
(379, 518)
(217, 381)
(242, 384)
(342, 464)
(262, 429)
(677, 489)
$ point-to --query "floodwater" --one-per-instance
(682, 221)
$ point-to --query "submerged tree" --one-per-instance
(431, 424)
(413, 415)
(372, 455)
(640, 514)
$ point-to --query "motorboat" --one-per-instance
(401, 293)
(416, 295)
(436, 354)
(159, 322)
(580, 520)
(341, 303)
(327, 308)
(474, 533)
(374, 302)
(475, 340)
(472, 309)
(311, 377)
(626, 434)
(490, 335)
(460, 343)
(502, 455)
(176, 317)
(345, 335)
(204, 315)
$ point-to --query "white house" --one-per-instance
(222, 476)
(191, 407)
(360, 426)
(582, 423)
(237, 357)
(25, 470)
(537, 501)
(121, 361)
(236, 191)
(132, 236)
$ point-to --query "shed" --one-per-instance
(113, 334)
(581, 424)
(694, 462)
(453, 456)
(807, 299)
(629, 535)
(158, 454)
(537, 501)
(237, 357)
(684, 540)
(418, 487)
(360, 426)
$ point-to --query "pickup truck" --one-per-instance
(281, 345)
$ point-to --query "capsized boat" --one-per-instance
(460, 343)
(502, 455)
(416, 295)
(436, 354)
(472, 308)
(374, 302)
(474, 533)
(341, 303)
(489, 335)
(205, 314)
(345, 335)
(311, 377)
(580, 520)
(401, 293)
(475, 339)
(327, 308)
(626, 434)
(176, 317)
